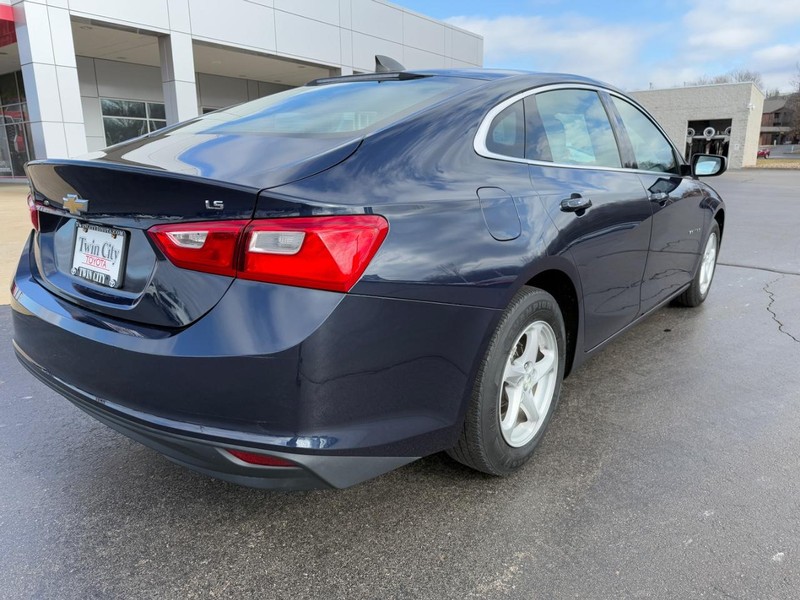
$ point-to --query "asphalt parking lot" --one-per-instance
(671, 470)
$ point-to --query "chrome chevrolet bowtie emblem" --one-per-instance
(74, 204)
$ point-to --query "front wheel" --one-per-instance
(517, 386)
(697, 292)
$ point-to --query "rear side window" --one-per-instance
(652, 150)
(572, 129)
(507, 132)
(330, 109)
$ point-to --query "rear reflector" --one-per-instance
(263, 460)
(327, 253)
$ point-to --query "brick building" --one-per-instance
(776, 122)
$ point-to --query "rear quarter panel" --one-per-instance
(423, 175)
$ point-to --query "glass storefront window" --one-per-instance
(118, 129)
(156, 111)
(5, 160)
(15, 112)
(127, 119)
(9, 94)
(15, 146)
(20, 87)
(18, 147)
(122, 108)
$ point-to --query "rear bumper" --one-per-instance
(346, 386)
(205, 453)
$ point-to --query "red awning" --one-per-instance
(8, 34)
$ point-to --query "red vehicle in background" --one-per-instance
(763, 153)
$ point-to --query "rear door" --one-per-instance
(679, 217)
(600, 209)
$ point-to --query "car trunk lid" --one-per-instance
(100, 210)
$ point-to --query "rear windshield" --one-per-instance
(330, 109)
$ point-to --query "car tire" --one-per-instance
(517, 386)
(697, 292)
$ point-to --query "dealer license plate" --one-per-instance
(99, 254)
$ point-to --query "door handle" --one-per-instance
(575, 203)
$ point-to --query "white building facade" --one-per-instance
(79, 75)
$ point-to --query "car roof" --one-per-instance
(524, 78)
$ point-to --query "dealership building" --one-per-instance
(79, 75)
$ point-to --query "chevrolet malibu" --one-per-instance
(319, 286)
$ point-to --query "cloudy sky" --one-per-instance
(633, 43)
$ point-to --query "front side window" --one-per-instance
(650, 148)
(126, 119)
(573, 129)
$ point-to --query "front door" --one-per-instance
(679, 218)
(601, 210)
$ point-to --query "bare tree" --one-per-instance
(736, 76)
(745, 75)
(702, 80)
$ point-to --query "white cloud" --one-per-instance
(745, 34)
(711, 38)
(567, 44)
(736, 25)
(729, 38)
(780, 53)
(778, 65)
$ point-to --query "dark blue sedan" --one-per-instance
(322, 285)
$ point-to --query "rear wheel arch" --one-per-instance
(560, 285)
(517, 386)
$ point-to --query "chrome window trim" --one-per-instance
(479, 143)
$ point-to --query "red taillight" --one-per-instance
(263, 460)
(34, 210)
(329, 253)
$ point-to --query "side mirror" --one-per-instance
(708, 165)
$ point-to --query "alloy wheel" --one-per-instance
(528, 383)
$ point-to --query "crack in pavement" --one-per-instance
(772, 312)
(754, 268)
